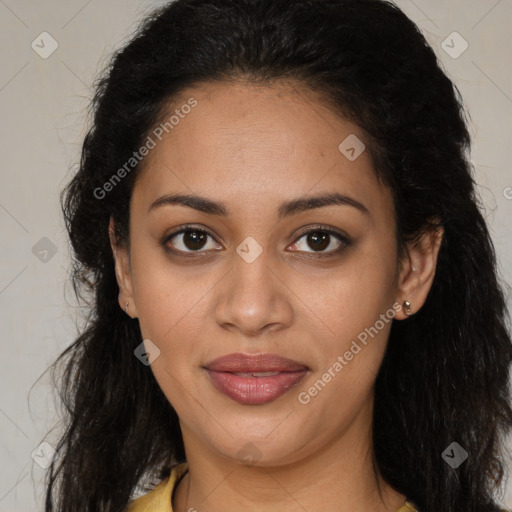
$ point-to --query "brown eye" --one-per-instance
(194, 240)
(189, 240)
(318, 240)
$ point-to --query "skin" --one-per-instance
(252, 148)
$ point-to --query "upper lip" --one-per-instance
(246, 363)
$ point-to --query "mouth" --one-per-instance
(254, 379)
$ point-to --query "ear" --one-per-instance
(123, 273)
(417, 271)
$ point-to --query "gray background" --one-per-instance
(43, 104)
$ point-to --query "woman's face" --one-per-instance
(247, 278)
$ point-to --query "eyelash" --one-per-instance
(344, 241)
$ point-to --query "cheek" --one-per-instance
(356, 313)
(353, 296)
(344, 382)
(170, 312)
(167, 298)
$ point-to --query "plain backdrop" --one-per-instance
(43, 106)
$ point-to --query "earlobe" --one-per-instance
(123, 273)
(417, 272)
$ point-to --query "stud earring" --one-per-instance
(407, 306)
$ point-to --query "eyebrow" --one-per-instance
(286, 209)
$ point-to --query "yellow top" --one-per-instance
(160, 498)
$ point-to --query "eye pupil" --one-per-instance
(194, 239)
(320, 240)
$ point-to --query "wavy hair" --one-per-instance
(445, 374)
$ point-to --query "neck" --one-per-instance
(337, 476)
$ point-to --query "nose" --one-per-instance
(253, 297)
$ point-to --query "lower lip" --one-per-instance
(255, 390)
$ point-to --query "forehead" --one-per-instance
(250, 144)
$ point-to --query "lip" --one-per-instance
(247, 363)
(251, 389)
